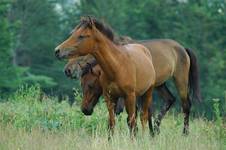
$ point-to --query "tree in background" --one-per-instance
(198, 25)
(39, 32)
(10, 73)
(42, 24)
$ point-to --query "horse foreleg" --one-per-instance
(169, 99)
(145, 113)
(130, 104)
(111, 120)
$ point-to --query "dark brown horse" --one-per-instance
(128, 69)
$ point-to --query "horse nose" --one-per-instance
(87, 112)
(57, 53)
(68, 72)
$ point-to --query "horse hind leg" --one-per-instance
(169, 99)
(182, 87)
(140, 101)
(151, 129)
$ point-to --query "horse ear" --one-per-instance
(87, 20)
(95, 73)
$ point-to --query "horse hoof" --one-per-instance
(185, 132)
(157, 130)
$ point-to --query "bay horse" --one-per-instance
(128, 69)
(92, 88)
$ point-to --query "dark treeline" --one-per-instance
(30, 30)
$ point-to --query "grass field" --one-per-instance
(28, 124)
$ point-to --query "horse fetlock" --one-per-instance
(186, 130)
(157, 123)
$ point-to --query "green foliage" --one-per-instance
(38, 32)
(219, 121)
(10, 74)
(195, 24)
(30, 108)
(30, 115)
(30, 30)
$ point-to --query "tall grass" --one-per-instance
(32, 120)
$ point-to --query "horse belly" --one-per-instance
(163, 73)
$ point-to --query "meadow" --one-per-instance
(31, 120)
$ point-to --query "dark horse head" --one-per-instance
(91, 87)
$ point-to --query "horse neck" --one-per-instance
(107, 55)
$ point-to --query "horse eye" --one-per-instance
(81, 37)
(90, 86)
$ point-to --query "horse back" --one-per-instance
(167, 56)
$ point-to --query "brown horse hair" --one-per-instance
(194, 85)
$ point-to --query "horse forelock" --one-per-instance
(101, 26)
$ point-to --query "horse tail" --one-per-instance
(194, 81)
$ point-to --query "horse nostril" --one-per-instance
(57, 53)
(67, 72)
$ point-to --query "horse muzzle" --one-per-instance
(86, 111)
(68, 72)
(64, 53)
(57, 53)
(61, 54)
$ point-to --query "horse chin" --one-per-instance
(87, 111)
(63, 55)
(74, 75)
